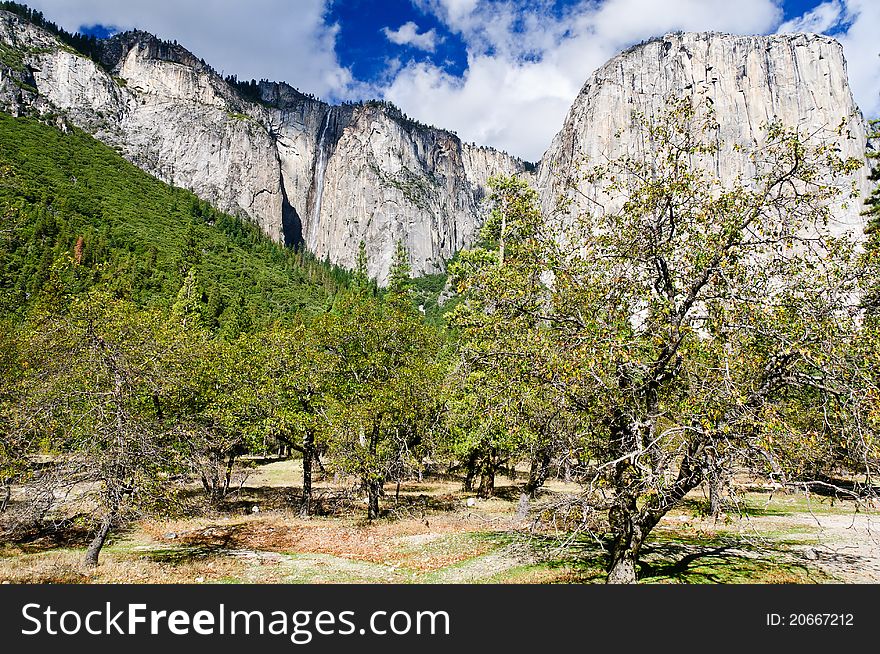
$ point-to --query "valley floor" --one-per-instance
(433, 534)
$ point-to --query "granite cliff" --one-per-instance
(329, 177)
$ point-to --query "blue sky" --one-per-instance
(363, 45)
(498, 72)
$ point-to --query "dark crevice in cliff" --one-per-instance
(291, 223)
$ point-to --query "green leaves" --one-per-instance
(683, 325)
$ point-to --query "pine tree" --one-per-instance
(188, 307)
(215, 307)
(361, 276)
(238, 315)
(400, 275)
(191, 255)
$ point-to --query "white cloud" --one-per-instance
(861, 47)
(818, 20)
(527, 65)
(856, 24)
(257, 39)
(408, 34)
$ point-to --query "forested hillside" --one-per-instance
(74, 206)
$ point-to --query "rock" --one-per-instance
(471, 501)
(332, 176)
(170, 535)
(302, 170)
(810, 554)
(380, 178)
(255, 509)
(750, 80)
(200, 580)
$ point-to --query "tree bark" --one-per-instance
(487, 482)
(227, 477)
(206, 485)
(308, 455)
(374, 485)
(538, 473)
(94, 549)
(7, 495)
(624, 559)
(488, 470)
(629, 532)
(470, 471)
(316, 455)
(373, 490)
(716, 496)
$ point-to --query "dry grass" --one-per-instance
(65, 567)
(430, 535)
(415, 544)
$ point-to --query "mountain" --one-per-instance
(302, 170)
(329, 177)
(76, 215)
(749, 81)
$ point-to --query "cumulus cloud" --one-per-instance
(860, 26)
(256, 39)
(527, 62)
(818, 20)
(408, 34)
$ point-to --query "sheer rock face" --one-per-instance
(329, 177)
(799, 79)
(302, 170)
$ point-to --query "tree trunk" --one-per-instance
(629, 535)
(212, 477)
(227, 477)
(488, 470)
(207, 486)
(374, 485)
(308, 454)
(97, 543)
(470, 471)
(538, 473)
(716, 496)
(487, 483)
(373, 489)
(7, 495)
(624, 561)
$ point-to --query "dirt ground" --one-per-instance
(435, 533)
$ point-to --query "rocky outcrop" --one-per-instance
(330, 177)
(304, 171)
(799, 79)
(382, 179)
